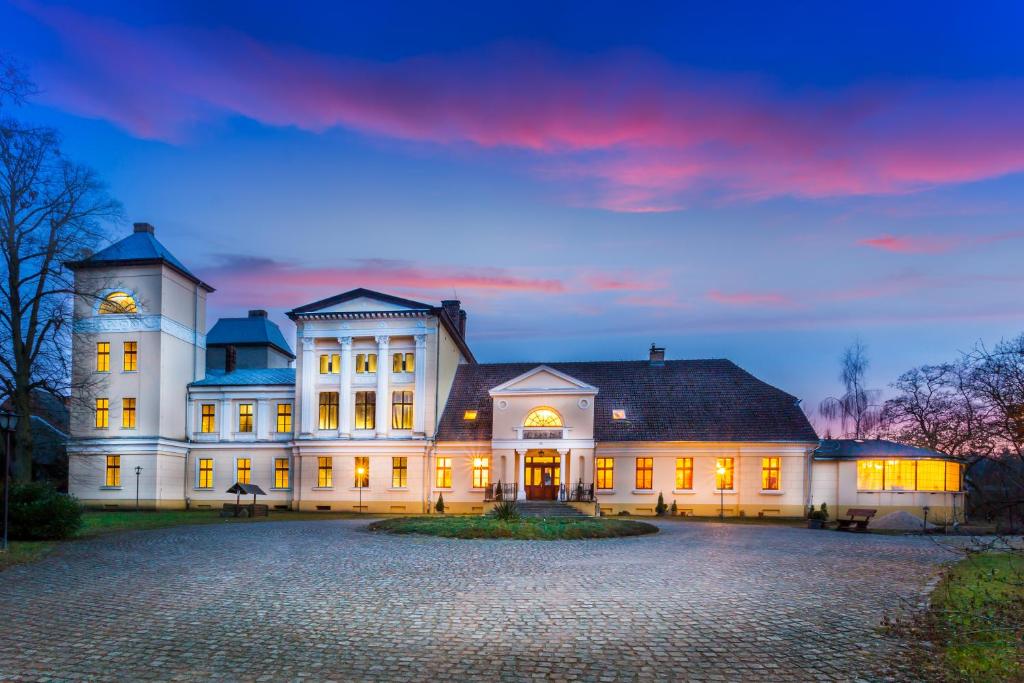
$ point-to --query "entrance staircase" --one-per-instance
(547, 508)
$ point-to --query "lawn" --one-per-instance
(97, 522)
(526, 529)
(976, 619)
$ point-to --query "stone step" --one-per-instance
(547, 508)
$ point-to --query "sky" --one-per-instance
(760, 183)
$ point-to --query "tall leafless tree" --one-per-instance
(51, 211)
(857, 410)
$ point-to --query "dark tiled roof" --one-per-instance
(682, 400)
(250, 376)
(136, 248)
(853, 449)
(251, 331)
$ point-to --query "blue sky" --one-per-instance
(728, 179)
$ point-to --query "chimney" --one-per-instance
(462, 324)
(230, 358)
(257, 313)
(452, 307)
(143, 227)
(657, 355)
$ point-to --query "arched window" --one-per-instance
(118, 302)
(543, 417)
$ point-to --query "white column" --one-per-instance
(308, 408)
(262, 419)
(521, 494)
(383, 386)
(226, 419)
(419, 397)
(345, 392)
(563, 460)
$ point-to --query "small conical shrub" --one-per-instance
(660, 508)
(439, 506)
(674, 509)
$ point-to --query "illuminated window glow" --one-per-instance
(684, 474)
(245, 419)
(644, 474)
(403, 362)
(401, 410)
(113, 477)
(366, 362)
(130, 362)
(366, 409)
(870, 475)
(244, 470)
(606, 473)
(618, 414)
(771, 474)
(102, 413)
(127, 413)
(443, 475)
(543, 417)
(399, 472)
(325, 472)
(118, 303)
(953, 476)
(328, 410)
(208, 424)
(469, 415)
(280, 473)
(284, 417)
(330, 364)
(205, 479)
(481, 472)
(724, 471)
(361, 472)
(931, 475)
(900, 475)
(102, 356)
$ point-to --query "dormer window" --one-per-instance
(469, 415)
(618, 413)
(118, 303)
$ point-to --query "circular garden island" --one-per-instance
(521, 529)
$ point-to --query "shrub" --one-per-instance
(507, 511)
(38, 512)
(824, 512)
(675, 509)
(623, 513)
(818, 514)
(660, 509)
(439, 506)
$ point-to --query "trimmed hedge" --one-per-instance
(39, 512)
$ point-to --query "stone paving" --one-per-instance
(330, 601)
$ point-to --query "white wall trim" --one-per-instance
(139, 323)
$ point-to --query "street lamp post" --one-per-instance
(360, 471)
(721, 493)
(8, 423)
(138, 471)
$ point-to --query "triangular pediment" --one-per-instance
(362, 301)
(543, 379)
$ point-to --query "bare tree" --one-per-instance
(997, 380)
(51, 211)
(856, 410)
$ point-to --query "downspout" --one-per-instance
(437, 419)
(195, 369)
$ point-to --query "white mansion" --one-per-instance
(386, 407)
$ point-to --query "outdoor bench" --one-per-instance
(856, 519)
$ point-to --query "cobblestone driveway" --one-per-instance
(327, 600)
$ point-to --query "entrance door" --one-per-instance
(542, 476)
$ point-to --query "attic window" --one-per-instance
(469, 415)
(618, 413)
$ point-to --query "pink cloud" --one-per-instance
(620, 131)
(911, 244)
(770, 299)
(623, 282)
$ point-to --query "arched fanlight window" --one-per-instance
(543, 417)
(118, 302)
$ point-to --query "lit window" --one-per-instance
(953, 476)
(870, 475)
(118, 302)
(362, 472)
(469, 415)
(245, 418)
(399, 472)
(244, 470)
(325, 472)
(113, 477)
(127, 413)
(330, 364)
(366, 409)
(403, 362)
(102, 413)
(209, 418)
(724, 474)
(328, 410)
(205, 480)
(401, 410)
(131, 356)
(443, 478)
(284, 417)
(618, 414)
(644, 473)
(771, 479)
(605, 473)
(102, 356)
(366, 362)
(280, 473)
(481, 472)
(931, 475)
(900, 475)
(543, 417)
(684, 474)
